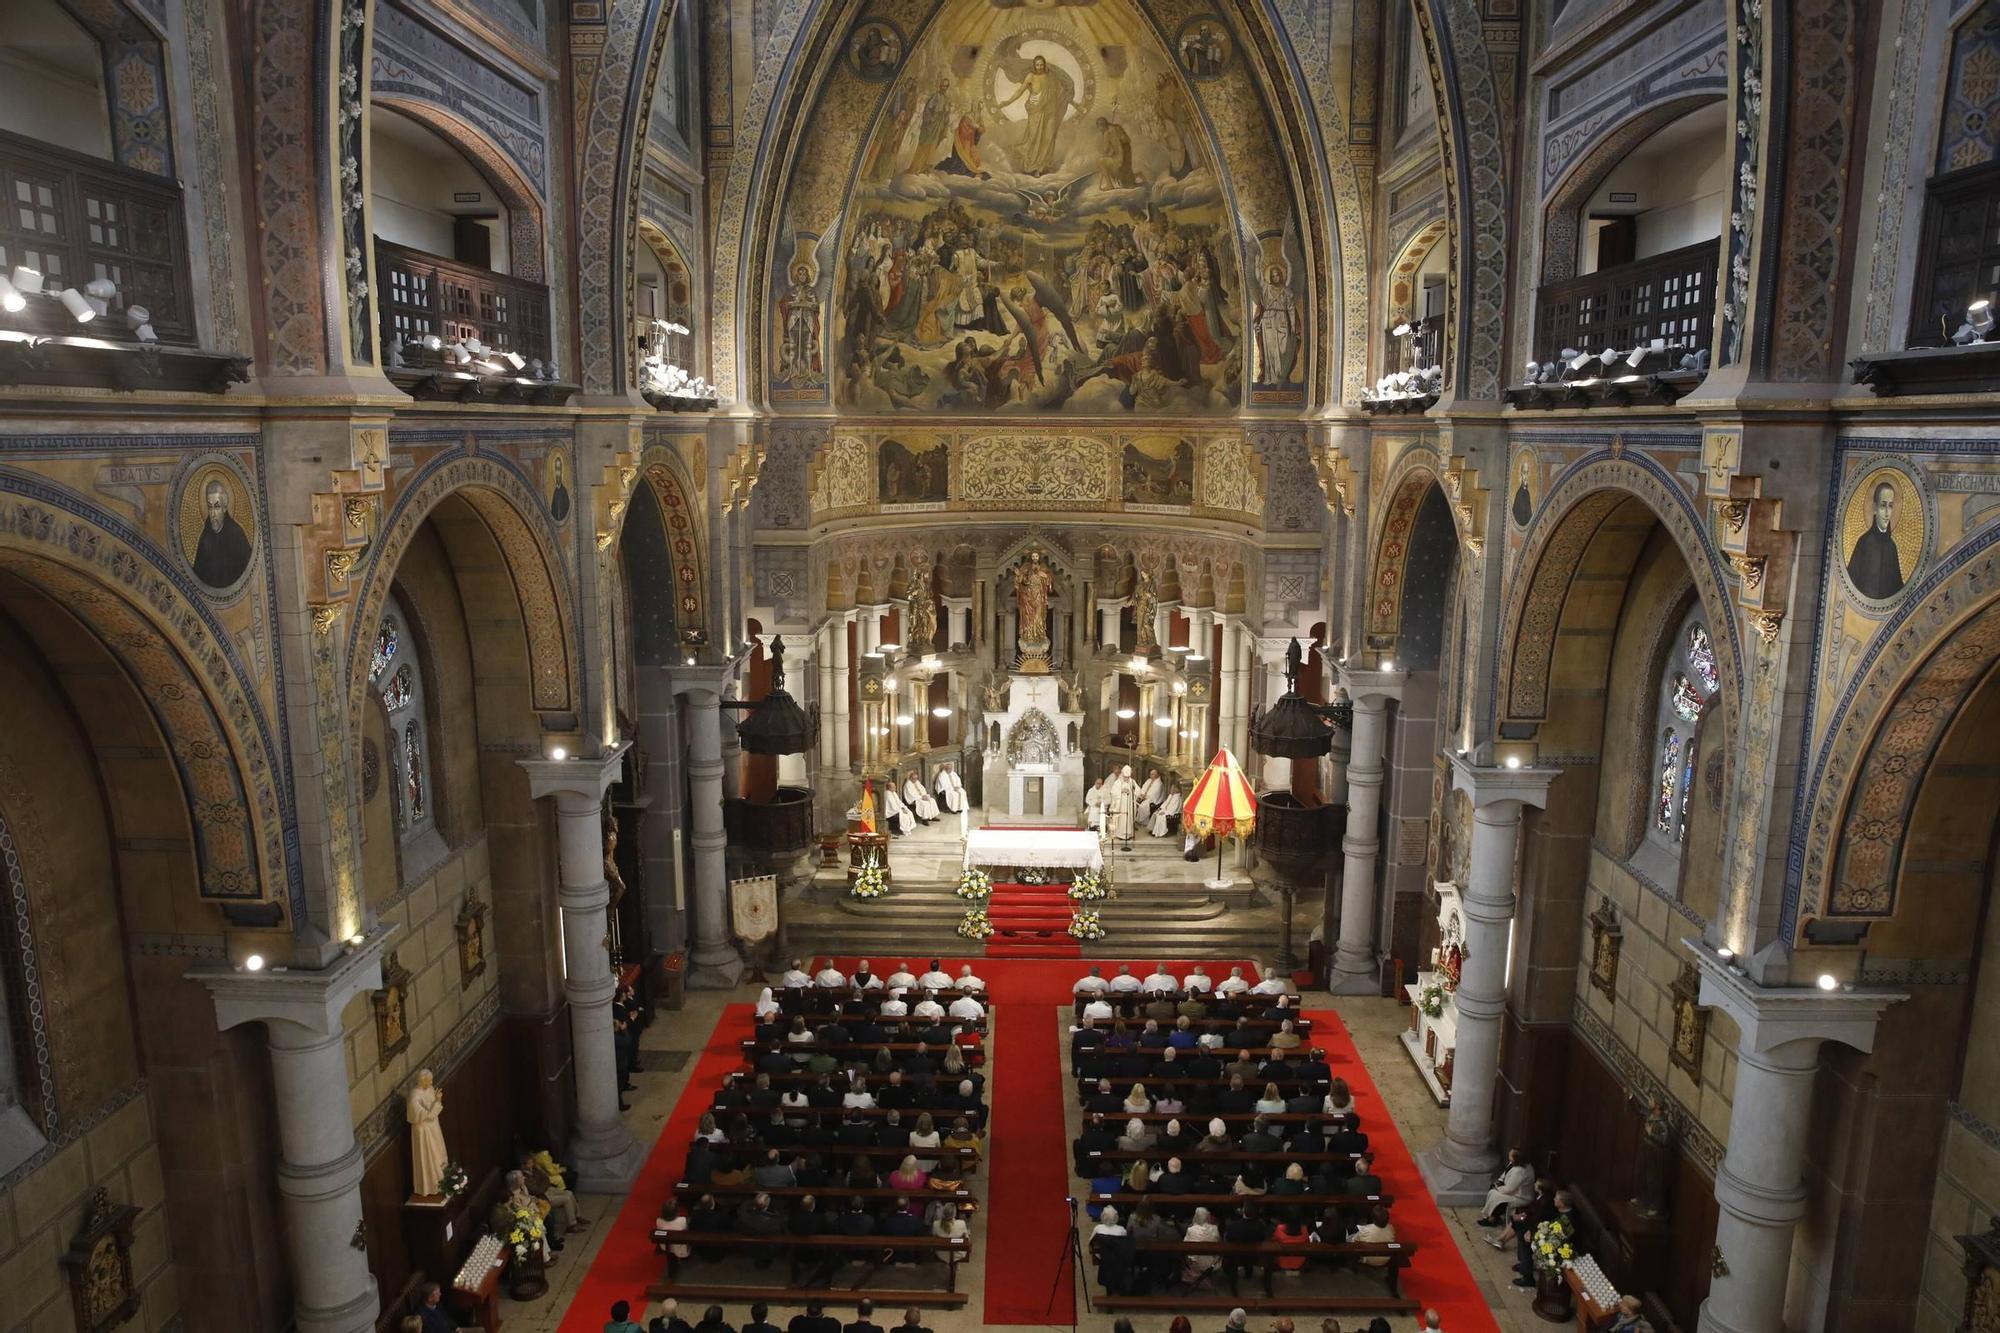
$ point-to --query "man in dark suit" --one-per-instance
(758, 1323)
(713, 1322)
(1260, 1138)
(1346, 1138)
(896, 1095)
(856, 1130)
(1087, 1037)
(1363, 1180)
(814, 1320)
(864, 1322)
(430, 1309)
(857, 1220)
(774, 1061)
(1314, 1067)
(913, 1322)
(1247, 1227)
(1097, 1136)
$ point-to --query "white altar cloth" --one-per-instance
(1071, 849)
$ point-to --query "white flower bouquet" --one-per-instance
(975, 885)
(1084, 925)
(975, 925)
(870, 881)
(1088, 887)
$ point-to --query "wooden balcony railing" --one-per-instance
(1669, 296)
(76, 218)
(421, 295)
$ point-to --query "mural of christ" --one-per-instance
(1049, 92)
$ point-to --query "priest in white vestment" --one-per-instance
(1167, 817)
(918, 799)
(1122, 806)
(1093, 806)
(950, 791)
(1151, 795)
(895, 814)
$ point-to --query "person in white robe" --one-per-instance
(902, 978)
(895, 814)
(1093, 984)
(968, 982)
(1197, 981)
(830, 977)
(1093, 806)
(1151, 795)
(1233, 984)
(1122, 806)
(950, 792)
(796, 978)
(1160, 981)
(918, 799)
(936, 978)
(1167, 817)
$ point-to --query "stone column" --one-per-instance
(608, 1158)
(823, 650)
(320, 1164)
(1760, 1187)
(1229, 684)
(1461, 1167)
(714, 963)
(1355, 970)
(842, 696)
(1107, 623)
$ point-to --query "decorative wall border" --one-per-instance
(72, 1131)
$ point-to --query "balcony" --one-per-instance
(81, 222)
(1669, 298)
(429, 305)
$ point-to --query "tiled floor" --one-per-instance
(1374, 1024)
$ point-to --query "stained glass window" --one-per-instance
(385, 651)
(1686, 702)
(396, 695)
(1670, 775)
(397, 674)
(413, 773)
(1701, 657)
(1687, 688)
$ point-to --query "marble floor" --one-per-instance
(669, 1046)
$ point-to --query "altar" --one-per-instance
(1033, 754)
(1431, 1040)
(1039, 849)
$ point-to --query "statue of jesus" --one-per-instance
(1032, 582)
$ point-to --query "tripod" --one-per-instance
(1072, 1260)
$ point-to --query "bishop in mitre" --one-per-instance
(1122, 805)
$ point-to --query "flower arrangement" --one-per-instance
(1034, 875)
(975, 885)
(975, 925)
(870, 881)
(1431, 1000)
(452, 1180)
(1554, 1244)
(1084, 925)
(524, 1233)
(1089, 887)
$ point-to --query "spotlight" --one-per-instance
(254, 963)
(1980, 316)
(559, 753)
(459, 354)
(357, 939)
(1639, 354)
(141, 321)
(1127, 714)
(78, 305)
(1513, 761)
(1388, 664)
(10, 299)
(515, 360)
(1827, 981)
(1401, 330)
(940, 711)
(432, 343)
(1608, 357)
(1725, 953)
(28, 280)
(1534, 370)
(1577, 360)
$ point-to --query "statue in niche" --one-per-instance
(425, 1108)
(1072, 691)
(923, 613)
(1656, 1144)
(616, 880)
(993, 694)
(1145, 604)
(1032, 584)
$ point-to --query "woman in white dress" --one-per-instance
(1167, 817)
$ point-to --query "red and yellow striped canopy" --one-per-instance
(1221, 802)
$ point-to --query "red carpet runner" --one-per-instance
(1030, 921)
(627, 1265)
(1439, 1276)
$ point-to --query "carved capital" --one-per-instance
(1766, 624)
(325, 615)
(1749, 568)
(1734, 513)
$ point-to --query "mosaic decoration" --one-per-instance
(135, 83)
(1819, 145)
(1229, 476)
(1885, 529)
(1972, 92)
(216, 525)
(281, 113)
(1897, 117)
(350, 134)
(843, 477)
(1734, 315)
(1036, 472)
(684, 538)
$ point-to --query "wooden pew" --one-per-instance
(1125, 1082)
(844, 1150)
(872, 1251)
(1278, 1159)
(753, 1047)
(833, 1193)
(1349, 1254)
(1125, 1200)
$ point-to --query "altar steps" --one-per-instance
(1031, 921)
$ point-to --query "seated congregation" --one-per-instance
(841, 1147)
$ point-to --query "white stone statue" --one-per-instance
(1123, 804)
(427, 1156)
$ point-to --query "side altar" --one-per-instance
(1034, 754)
(1431, 1040)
